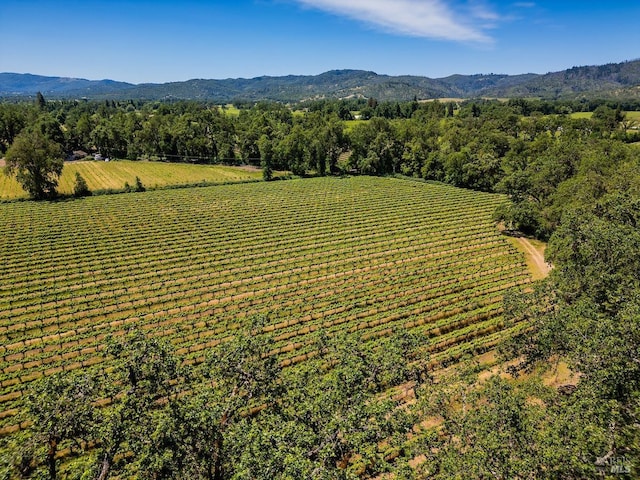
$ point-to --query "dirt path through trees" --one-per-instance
(533, 252)
(535, 258)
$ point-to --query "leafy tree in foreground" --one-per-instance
(588, 316)
(248, 419)
(146, 372)
(195, 435)
(335, 422)
(504, 429)
(36, 162)
(62, 415)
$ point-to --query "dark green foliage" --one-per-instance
(41, 103)
(608, 118)
(333, 415)
(36, 161)
(50, 127)
(506, 429)
(487, 146)
(596, 255)
(139, 187)
(80, 187)
(60, 411)
(238, 416)
(13, 118)
(587, 314)
(375, 148)
(146, 372)
(266, 157)
(267, 171)
(597, 252)
(136, 187)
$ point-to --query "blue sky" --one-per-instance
(162, 41)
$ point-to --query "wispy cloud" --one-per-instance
(457, 21)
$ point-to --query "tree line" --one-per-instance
(477, 144)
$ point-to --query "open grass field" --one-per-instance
(578, 115)
(349, 124)
(629, 115)
(113, 175)
(378, 256)
(231, 110)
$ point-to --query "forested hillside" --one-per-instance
(603, 81)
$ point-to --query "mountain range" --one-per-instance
(614, 80)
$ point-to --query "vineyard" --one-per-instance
(374, 255)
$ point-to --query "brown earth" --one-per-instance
(535, 258)
(533, 252)
(248, 168)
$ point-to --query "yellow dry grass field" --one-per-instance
(114, 175)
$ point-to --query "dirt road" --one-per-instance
(535, 258)
(534, 254)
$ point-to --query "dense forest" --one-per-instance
(573, 181)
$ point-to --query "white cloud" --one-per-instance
(420, 18)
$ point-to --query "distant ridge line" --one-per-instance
(617, 80)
